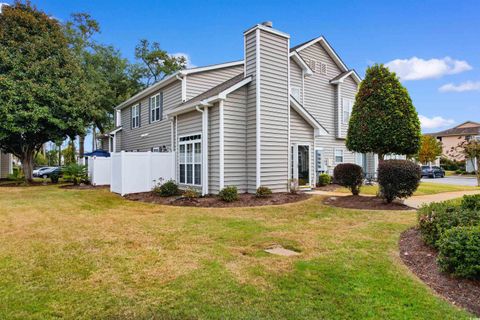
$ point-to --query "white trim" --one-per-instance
(209, 101)
(116, 130)
(177, 164)
(335, 149)
(319, 129)
(171, 134)
(221, 146)
(303, 88)
(205, 181)
(268, 29)
(307, 71)
(289, 149)
(258, 160)
(172, 78)
(154, 107)
(311, 173)
(352, 73)
(338, 128)
(184, 88)
(245, 56)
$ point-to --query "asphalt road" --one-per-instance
(462, 181)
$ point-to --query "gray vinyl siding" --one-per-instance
(200, 82)
(118, 143)
(250, 61)
(301, 132)
(159, 132)
(274, 55)
(4, 165)
(320, 100)
(296, 78)
(348, 90)
(235, 140)
(214, 149)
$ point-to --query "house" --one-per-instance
(279, 114)
(452, 138)
(6, 165)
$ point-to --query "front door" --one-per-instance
(301, 164)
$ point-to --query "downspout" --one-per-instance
(204, 148)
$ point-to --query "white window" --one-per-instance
(295, 92)
(136, 116)
(156, 149)
(347, 105)
(190, 160)
(338, 155)
(156, 107)
(118, 118)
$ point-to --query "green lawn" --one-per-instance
(93, 255)
(424, 189)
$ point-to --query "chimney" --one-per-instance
(267, 61)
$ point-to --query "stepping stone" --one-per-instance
(281, 251)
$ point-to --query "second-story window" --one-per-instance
(136, 116)
(347, 105)
(156, 107)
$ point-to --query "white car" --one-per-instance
(38, 172)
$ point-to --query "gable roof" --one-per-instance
(174, 77)
(308, 117)
(331, 52)
(211, 95)
(459, 131)
(342, 76)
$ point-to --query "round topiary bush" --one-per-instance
(398, 178)
(459, 252)
(349, 175)
(323, 180)
(229, 194)
(263, 192)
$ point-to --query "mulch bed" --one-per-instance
(421, 260)
(328, 187)
(364, 203)
(245, 200)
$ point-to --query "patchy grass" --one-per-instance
(424, 189)
(89, 254)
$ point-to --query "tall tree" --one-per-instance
(156, 63)
(430, 149)
(41, 83)
(471, 150)
(383, 118)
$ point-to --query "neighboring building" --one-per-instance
(6, 165)
(453, 137)
(280, 114)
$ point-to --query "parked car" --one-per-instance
(49, 172)
(432, 172)
(37, 172)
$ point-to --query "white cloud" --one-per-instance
(464, 86)
(435, 122)
(2, 4)
(186, 56)
(418, 69)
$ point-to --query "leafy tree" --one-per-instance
(471, 150)
(68, 153)
(156, 63)
(383, 118)
(41, 83)
(430, 149)
(40, 159)
(52, 157)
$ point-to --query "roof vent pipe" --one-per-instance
(267, 24)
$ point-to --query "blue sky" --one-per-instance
(435, 43)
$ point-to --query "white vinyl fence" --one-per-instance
(133, 172)
(99, 170)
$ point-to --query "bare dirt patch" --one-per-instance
(245, 200)
(364, 203)
(329, 187)
(422, 261)
(83, 187)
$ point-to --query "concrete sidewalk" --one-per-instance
(414, 202)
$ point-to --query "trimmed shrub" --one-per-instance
(191, 193)
(471, 202)
(54, 177)
(229, 194)
(398, 178)
(459, 252)
(167, 189)
(263, 192)
(349, 175)
(436, 218)
(323, 180)
(77, 173)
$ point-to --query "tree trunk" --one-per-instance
(94, 138)
(27, 164)
(81, 146)
(60, 155)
